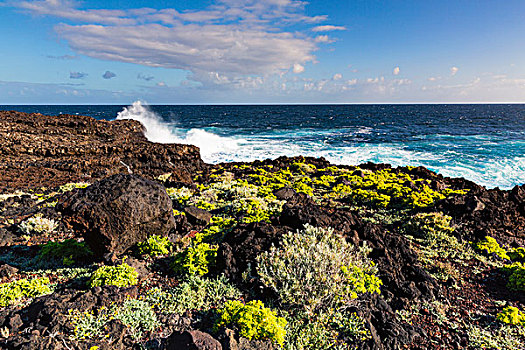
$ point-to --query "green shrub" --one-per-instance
(496, 336)
(516, 273)
(216, 229)
(195, 259)
(180, 195)
(490, 246)
(323, 330)
(154, 246)
(517, 254)
(317, 268)
(257, 209)
(69, 251)
(120, 276)
(386, 189)
(252, 320)
(138, 315)
(88, 324)
(38, 224)
(196, 293)
(16, 290)
(511, 315)
(431, 226)
(435, 232)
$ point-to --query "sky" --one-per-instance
(262, 51)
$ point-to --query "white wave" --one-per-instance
(504, 172)
(212, 146)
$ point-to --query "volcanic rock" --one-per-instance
(118, 212)
(192, 340)
(39, 150)
(197, 216)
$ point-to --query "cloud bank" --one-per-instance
(233, 39)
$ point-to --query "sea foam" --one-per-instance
(457, 161)
(213, 147)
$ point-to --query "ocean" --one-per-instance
(483, 143)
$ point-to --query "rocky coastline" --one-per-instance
(109, 241)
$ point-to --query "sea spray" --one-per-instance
(212, 146)
(485, 144)
(156, 129)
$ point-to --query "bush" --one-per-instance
(154, 246)
(435, 231)
(69, 251)
(517, 276)
(517, 254)
(13, 291)
(327, 329)
(216, 229)
(120, 276)
(253, 321)
(317, 268)
(511, 315)
(138, 315)
(87, 324)
(490, 246)
(196, 293)
(196, 259)
(38, 224)
(180, 195)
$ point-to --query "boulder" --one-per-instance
(197, 216)
(192, 340)
(116, 213)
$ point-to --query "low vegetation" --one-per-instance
(121, 276)
(252, 320)
(12, 292)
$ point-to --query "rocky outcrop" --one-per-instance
(494, 213)
(118, 212)
(39, 150)
(192, 340)
(40, 324)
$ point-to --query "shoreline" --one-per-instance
(402, 263)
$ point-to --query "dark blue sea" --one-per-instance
(484, 143)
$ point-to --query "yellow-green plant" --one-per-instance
(154, 246)
(12, 291)
(252, 320)
(195, 259)
(517, 254)
(490, 246)
(511, 315)
(516, 273)
(121, 276)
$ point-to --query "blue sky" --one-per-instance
(265, 51)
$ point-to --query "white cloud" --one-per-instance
(453, 70)
(232, 38)
(396, 71)
(161, 84)
(337, 76)
(323, 39)
(327, 28)
(297, 68)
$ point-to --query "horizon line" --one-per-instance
(266, 104)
